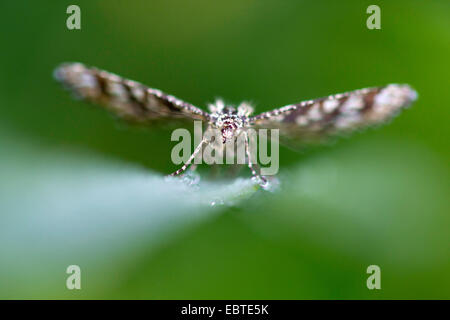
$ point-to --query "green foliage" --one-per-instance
(77, 187)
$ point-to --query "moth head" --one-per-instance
(228, 124)
(228, 132)
(228, 119)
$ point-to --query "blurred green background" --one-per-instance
(77, 187)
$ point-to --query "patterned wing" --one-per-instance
(128, 99)
(313, 120)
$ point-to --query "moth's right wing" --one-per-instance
(128, 99)
(316, 120)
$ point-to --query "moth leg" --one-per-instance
(194, 166)
(187, 164)
(254, 168)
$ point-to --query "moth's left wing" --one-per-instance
(127, 99)
(313, 120)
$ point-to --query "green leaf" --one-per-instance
(63, 207)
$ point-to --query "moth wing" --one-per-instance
(125, 98)
(315, 121)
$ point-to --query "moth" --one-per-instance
(304, 122)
